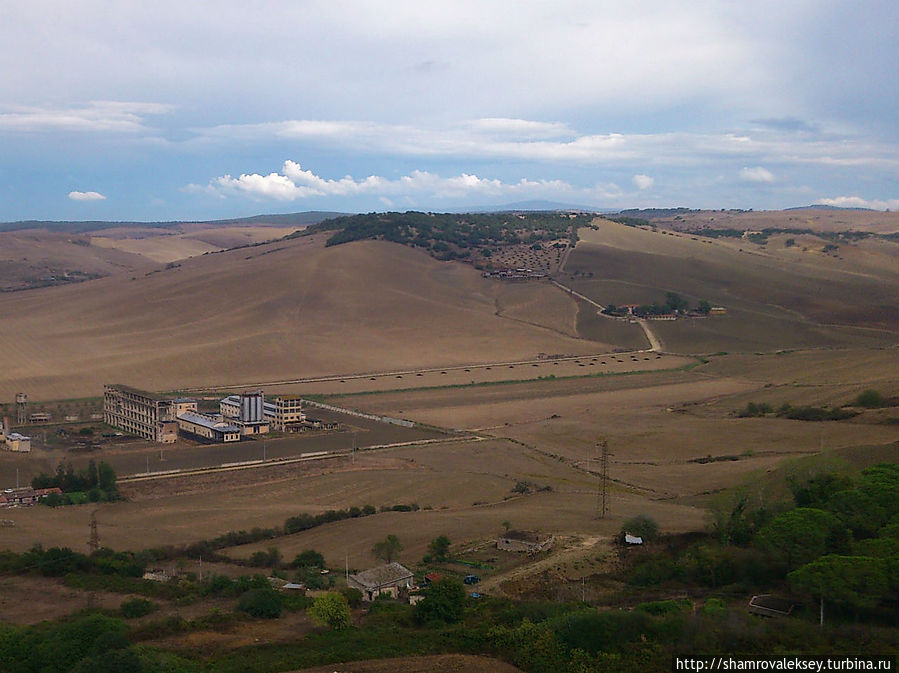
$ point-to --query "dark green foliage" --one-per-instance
(388, 549)
(263, 602)
(136, 607)
(665, 607)
(353, 596)
(817, 490)
(450, 236)
(805, 413)
(439, 547)
(58, 648)
(444, 603)
(59, 561)
(643, 526)
(801, 535)
(755, 410)
(858, 581)
(309, 559)
(704, 307)
(870, 399)
(97, 481)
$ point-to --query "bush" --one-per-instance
(444, 602)
(331, 610)
(870, 399)
(353, 596)
(264, 603)
(136, 607)
(641, 526)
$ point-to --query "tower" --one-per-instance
(602, 504)
(21, 403)
(94, 542)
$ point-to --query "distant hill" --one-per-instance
(78, 227)
(820, 206)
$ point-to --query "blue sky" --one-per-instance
(201, 110)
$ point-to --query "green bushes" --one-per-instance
(263, 603)
(136, 607)
(444, 603)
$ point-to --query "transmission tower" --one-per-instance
(602, 504)
(94, 543)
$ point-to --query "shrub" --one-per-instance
(264, 603)
(642, 526)
(331, 610)
(444, 602)
(136, 607)
(870, 399)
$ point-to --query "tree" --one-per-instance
(858, 581)
(798, 536)
(265, 603)
(870, 399)
(331, 610)
(439, 547)
(443, 602)
(309, 558)
(704, 307)
(641, 526)
(388, 549)
(106, 477)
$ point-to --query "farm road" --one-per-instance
(655, 344)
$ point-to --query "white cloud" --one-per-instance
(294, 182)
(501, 138)
(98, 116)
(86, 196)
(643, 181)
(756, 174)
(859, 202)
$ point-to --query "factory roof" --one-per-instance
(137, 391)
(207, 422)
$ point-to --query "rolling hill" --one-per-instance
(280, 310)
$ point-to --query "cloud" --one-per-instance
(756, 174)
(294, 182)
(86, 196)
(98, 116)
(643, 181)
(525, 140)
(859, 202)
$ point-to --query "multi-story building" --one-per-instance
(282, 412)
(148, 415)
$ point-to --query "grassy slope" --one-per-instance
(281, 310)
(775, 299)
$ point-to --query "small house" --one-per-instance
(387, 580)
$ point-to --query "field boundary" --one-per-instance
(287, 460)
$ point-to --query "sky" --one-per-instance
(115, 110)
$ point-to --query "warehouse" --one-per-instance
(208, 427)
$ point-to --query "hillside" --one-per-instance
(280, 310)
(820, 219)
(776, 295)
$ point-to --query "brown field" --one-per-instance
(824, 220)
(802, 327)
(286, 309)
(26, 257)
(170, 245)
(772, 302)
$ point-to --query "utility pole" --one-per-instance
(94, 543)
(602, 505)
